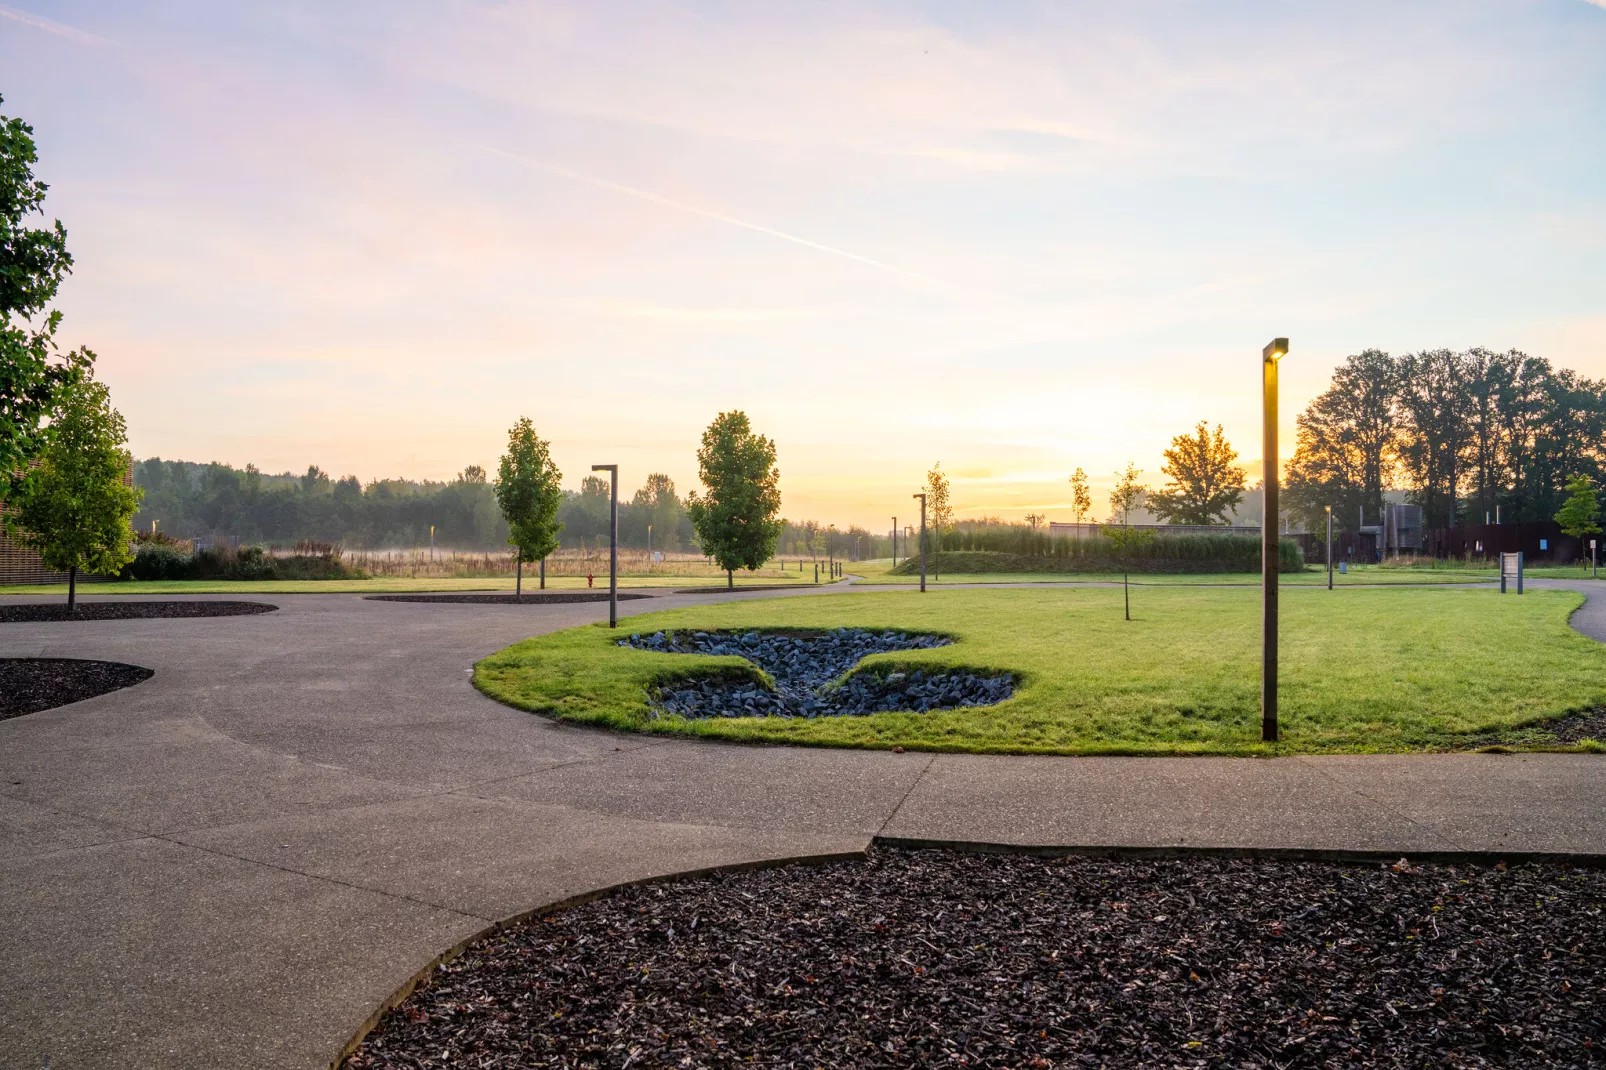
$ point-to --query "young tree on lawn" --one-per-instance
(528, 492)
(737, 517)
(939, 514)
(73, 506)
(1204, 484)
(1579, 515)
(1081, 497)
(32, 263)
(1128, 494)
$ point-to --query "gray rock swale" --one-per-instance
(803, 665)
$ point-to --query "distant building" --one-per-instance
(1086, 531)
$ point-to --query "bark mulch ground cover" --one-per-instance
(532, 598)
(947, 959)
(35, 612)
(28, 685)
(1571, 729)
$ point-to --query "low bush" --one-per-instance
(165, 561)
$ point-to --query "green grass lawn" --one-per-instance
(386, 585)
(1363, 669)
(1361, 575)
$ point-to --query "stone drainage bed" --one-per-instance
(35, 612)
(804, 665)
(28, 685)
(945, 959)
(529, 598)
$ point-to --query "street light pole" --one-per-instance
(922, 498)
(1329, 547)
(1268, 540)
(613, 541)
(894, 542)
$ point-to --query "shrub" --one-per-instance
(157, 561)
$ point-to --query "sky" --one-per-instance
(1013, 238)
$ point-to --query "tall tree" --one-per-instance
(33, 261)
(527, 491)
(1128, 494)
(939, 513)
(73, 506)
(1205, 483)
(1435, 402)
(736, 518)
(1347, 443)
(1081, 497)
(656, 505)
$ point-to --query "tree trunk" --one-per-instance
(730, 579)
(72, 591)
(543, 574)
(518, 579)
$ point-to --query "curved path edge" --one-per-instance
(237, 861)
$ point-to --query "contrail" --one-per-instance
(39, 22)
(619, 187)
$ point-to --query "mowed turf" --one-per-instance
(1362, 669)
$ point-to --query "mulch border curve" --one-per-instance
(913, 843)
(411, 984)
(139, 679)
(215, 608)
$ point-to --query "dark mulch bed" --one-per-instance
(1573, 728)
(47, 611)
(28, 685)
(530, 598)
(721, 589)
(934, 958)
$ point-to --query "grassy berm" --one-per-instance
(1363, 670)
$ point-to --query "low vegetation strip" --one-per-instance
(1363, 669)
(988, 562)
(1145, 551)
(942, 959)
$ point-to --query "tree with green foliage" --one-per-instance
(73, 506)
(1579, 515)
(1205, 483)
(1129, 493)
(33, 261)
(527, 490)
(736, 518)
(1081, 497)
(939, 514)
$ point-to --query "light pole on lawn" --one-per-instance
(894, 542)
(1329, 547)
(1268, 540)
(922, 498)
(613, 540)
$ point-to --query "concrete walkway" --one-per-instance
(233, 863)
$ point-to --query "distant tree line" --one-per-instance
(1464, 433)
(207, 501)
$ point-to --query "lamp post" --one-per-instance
(1268, 541)
(1329, 547)
(894, 542)
(613, 540)
(922, 498)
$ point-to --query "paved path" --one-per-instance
(234, 862)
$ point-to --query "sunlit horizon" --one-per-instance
(1016, 240)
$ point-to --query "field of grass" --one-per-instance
(880, 571)
(390, 585)
(1379, 669)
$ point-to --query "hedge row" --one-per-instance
(1163, 553)
(159, 561)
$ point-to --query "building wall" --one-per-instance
(18, 564)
